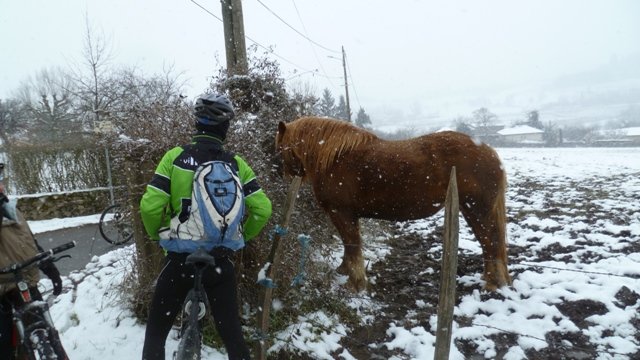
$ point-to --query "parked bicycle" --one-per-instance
(115, 224)
(37, 337)
(194, 309)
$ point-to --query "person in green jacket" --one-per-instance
(167, 196)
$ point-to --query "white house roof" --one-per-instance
(520, 130)
(632, 131)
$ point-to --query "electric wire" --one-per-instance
(294, 29)
(302, 69)
(353, 84)
(209, 12)
(315, 54)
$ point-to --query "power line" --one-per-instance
(209, 12)
(353, 84)
(255, 42)
(294, 29)
(303, 71)
(312, 48)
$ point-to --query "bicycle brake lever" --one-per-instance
(58, 258)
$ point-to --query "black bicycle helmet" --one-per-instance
(213, 109)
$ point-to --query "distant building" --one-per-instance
(521, 134)
(632, 133)
(488, 134)
(616, 137)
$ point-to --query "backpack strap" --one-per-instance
(203, 151)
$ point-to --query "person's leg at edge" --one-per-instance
(6, 329)
(222, 293)
(171, 289)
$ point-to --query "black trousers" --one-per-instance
(174, 282)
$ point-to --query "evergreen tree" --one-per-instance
(327, 104)
(362, 119)
(533, 120)
(341, 109)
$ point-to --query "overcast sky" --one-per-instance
(408, 55)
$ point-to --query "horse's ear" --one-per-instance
(281, 127)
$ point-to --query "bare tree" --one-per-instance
(12, 119)
(48, 102)
(92, 78)
(551, 134)
(483, 117)
(463, 124)
(303, 98)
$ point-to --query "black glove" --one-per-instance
(49, 269)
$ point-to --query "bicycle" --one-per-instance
(115, 224)
(37, 337)
(194, 309)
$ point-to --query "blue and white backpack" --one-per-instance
(216, 212)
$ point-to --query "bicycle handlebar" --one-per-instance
(37, 258)
(63, 247)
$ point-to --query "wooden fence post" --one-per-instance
(447, 298)
(274, 257)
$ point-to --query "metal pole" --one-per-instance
(111, 197)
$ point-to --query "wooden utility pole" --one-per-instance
(447, 299)
(346, 85)
(274, 260)
(234, 37)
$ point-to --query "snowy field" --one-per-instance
(574, 237)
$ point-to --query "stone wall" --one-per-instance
(63, 205)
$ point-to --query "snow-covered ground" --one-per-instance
(585, 203)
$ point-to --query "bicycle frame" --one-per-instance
(194, 309)
(36, 333)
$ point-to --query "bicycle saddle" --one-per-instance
(200, 256)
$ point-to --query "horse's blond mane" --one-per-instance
(321, 141)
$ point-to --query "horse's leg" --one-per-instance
(352, 261)
(489, 226)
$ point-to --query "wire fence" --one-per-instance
(561, 348)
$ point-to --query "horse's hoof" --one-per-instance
(342, 269)
(493, 285)
(489, 286)
(357, 285)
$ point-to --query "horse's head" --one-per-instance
(286, 146)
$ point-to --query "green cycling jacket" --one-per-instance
(172, 183)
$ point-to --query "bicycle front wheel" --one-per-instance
(115, 225)
(41, 345)
(189, 347)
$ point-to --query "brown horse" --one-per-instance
(355, 174)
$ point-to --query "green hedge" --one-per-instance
(53, 169)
